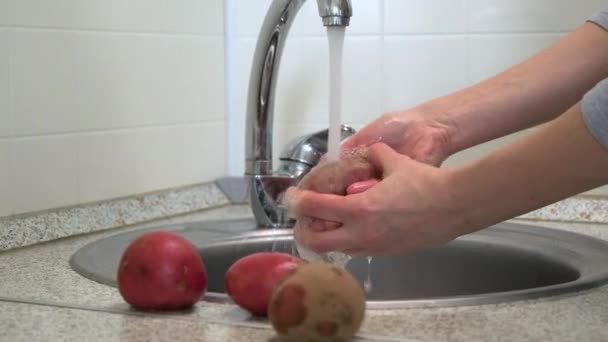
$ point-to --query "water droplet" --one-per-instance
(367, 283)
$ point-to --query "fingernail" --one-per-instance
(360, 187)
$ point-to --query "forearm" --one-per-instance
(532, 92)
(559, 160)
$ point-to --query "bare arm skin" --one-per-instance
(416, 206)
(525, 95)
(530, 93)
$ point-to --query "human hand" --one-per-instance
(352, 173)
(409, 209)
(417, 133)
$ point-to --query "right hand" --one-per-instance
(411, 208)
(411, 132)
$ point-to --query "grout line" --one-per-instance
(469, 67)
(383, 92)
(86, 132)
(11, 83)
(111, 31)
(11, 121)
(234, 120)
(430, 34)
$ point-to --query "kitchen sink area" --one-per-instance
(504, 263)
(523, 279)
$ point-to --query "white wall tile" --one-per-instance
(68, 81)
(108, 14)
(421, 68)
(482, 150)
(572, 14)
(249, 16)
(191, 16)
(45, 173)
(366, 19)
(196, 16)
(106, 163)
(147, 15)
(513, 15)
(181, 155)
(491, 54)
(303, 85)
(362, 82)
(204, 157)
(425, 16)
(5, 110)
(6, 205)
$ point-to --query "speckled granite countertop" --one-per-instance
(42, 299)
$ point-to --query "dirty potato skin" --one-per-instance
(336, 177)
(318, 302)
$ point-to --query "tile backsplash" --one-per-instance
(399, 53)
(104, 99)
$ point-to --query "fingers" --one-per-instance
(384, 158)
(359, 187)
(326, 241)
(353, 142)
(316, 205)
(322, 225)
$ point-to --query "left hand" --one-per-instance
(407, 210)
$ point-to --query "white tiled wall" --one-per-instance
(5, 170)
(4, 83)
(401, 52)
(102, 99)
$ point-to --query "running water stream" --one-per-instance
(335, 37)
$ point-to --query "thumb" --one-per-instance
(383, 158)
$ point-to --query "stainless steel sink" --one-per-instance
(506, 262)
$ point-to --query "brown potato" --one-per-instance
(335, 177)
(318, 302)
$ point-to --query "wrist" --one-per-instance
(439, 127)
(462, 200)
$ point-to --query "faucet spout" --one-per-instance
(335, 12)
(266, 184)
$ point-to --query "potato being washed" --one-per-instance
(336, 177)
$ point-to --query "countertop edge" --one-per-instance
(26, 230)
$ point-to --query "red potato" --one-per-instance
(251, 279)
(161, 271)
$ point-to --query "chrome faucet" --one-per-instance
(302, 154)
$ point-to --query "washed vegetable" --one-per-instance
(251, 279)
(318, 302)
(161, 271)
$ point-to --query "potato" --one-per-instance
(318, 302)
(335, 177)
(251, 279)
(161, 271)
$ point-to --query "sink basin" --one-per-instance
(503, 263)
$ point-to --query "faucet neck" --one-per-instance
(262, 85)
(264, 74)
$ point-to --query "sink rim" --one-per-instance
(586, 254)
(591, 275)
